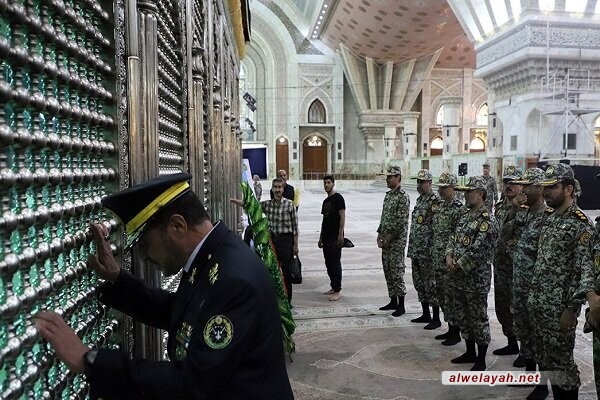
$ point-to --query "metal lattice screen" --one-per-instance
(170, 93)
(57, 121)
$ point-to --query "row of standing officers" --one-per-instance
(546, 264)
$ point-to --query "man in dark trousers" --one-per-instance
(225, 336)
(331, 239)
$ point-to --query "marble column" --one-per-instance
(410, 140)
(450, 129)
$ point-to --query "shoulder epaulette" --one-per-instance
(549, 210)
(581, 215)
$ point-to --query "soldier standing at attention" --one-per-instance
(469, 262)
(391, 239)
(445, 217)
(420, 243)
(562, 277)
(593, 315)
(503, 266)
(490, 187)
(526, 228)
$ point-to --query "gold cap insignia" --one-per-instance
(213, 273)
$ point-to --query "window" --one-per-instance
(316, 113)
(571, 141)
(513, 143)
(439, 120)
(437, 146)
(477, 145)
(314, 141)
(482, 115)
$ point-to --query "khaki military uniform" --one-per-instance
(472, 246)
(562, 276)
(393, 228)
(420, 245)
(445, 218)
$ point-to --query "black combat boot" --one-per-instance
(480, 362)
(511, 348)
(562, 394)
(454, 337)
(467, 358)
(426, 317)
(399, 308)
(435, 322)
(541, 391)
(520, 361)
(391, 305)
(444, 335)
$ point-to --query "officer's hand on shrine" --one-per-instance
(568, 321)
(103, 262)
(68, 346)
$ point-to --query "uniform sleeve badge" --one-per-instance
(584, 238)
(466, 241)
(218, 332)
(420, 219)
(484, 226)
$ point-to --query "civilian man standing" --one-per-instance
(331, 239)
(391, 239)
(289, 192)
(283, 224)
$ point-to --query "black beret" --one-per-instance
(138, 204)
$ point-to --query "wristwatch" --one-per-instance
(89, 359)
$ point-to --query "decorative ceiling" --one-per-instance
(395, 30)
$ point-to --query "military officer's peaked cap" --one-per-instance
(512, 173)
(137, 205)
(424, 175)
(392, 171)
(475, 182)
(447, 179)
(533, 176)
(557, 173)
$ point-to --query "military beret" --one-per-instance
(138, 204)
(533, 176)
(486, 164)
(424, 175)
(447, 179)
(557, 173)
(512, 173)
(392, 170)
(475, 182)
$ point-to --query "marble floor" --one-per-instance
(350, 350)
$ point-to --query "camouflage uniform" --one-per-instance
(472, 246)
(420, 244)
(491, 189)
(503, 265)
(445, 218)
(596, 255)
(393, 227)
(527, 227)
(562, 276)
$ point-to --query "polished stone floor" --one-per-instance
(350, 350)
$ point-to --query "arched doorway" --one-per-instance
(314, 157)
(282, 155)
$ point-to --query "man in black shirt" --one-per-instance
(331, 239)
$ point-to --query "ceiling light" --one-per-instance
(324, 5)
(323, 12)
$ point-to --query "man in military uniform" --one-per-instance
(391, 239)
(562, 277)
(225, 336)
(503, 268)
(469, 262)
(445, 217)
(491, 188)
(593, 313)
(526, 228)
(419, 250)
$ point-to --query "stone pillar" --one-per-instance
(374, 148)
(450, 129)
(390, 142)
